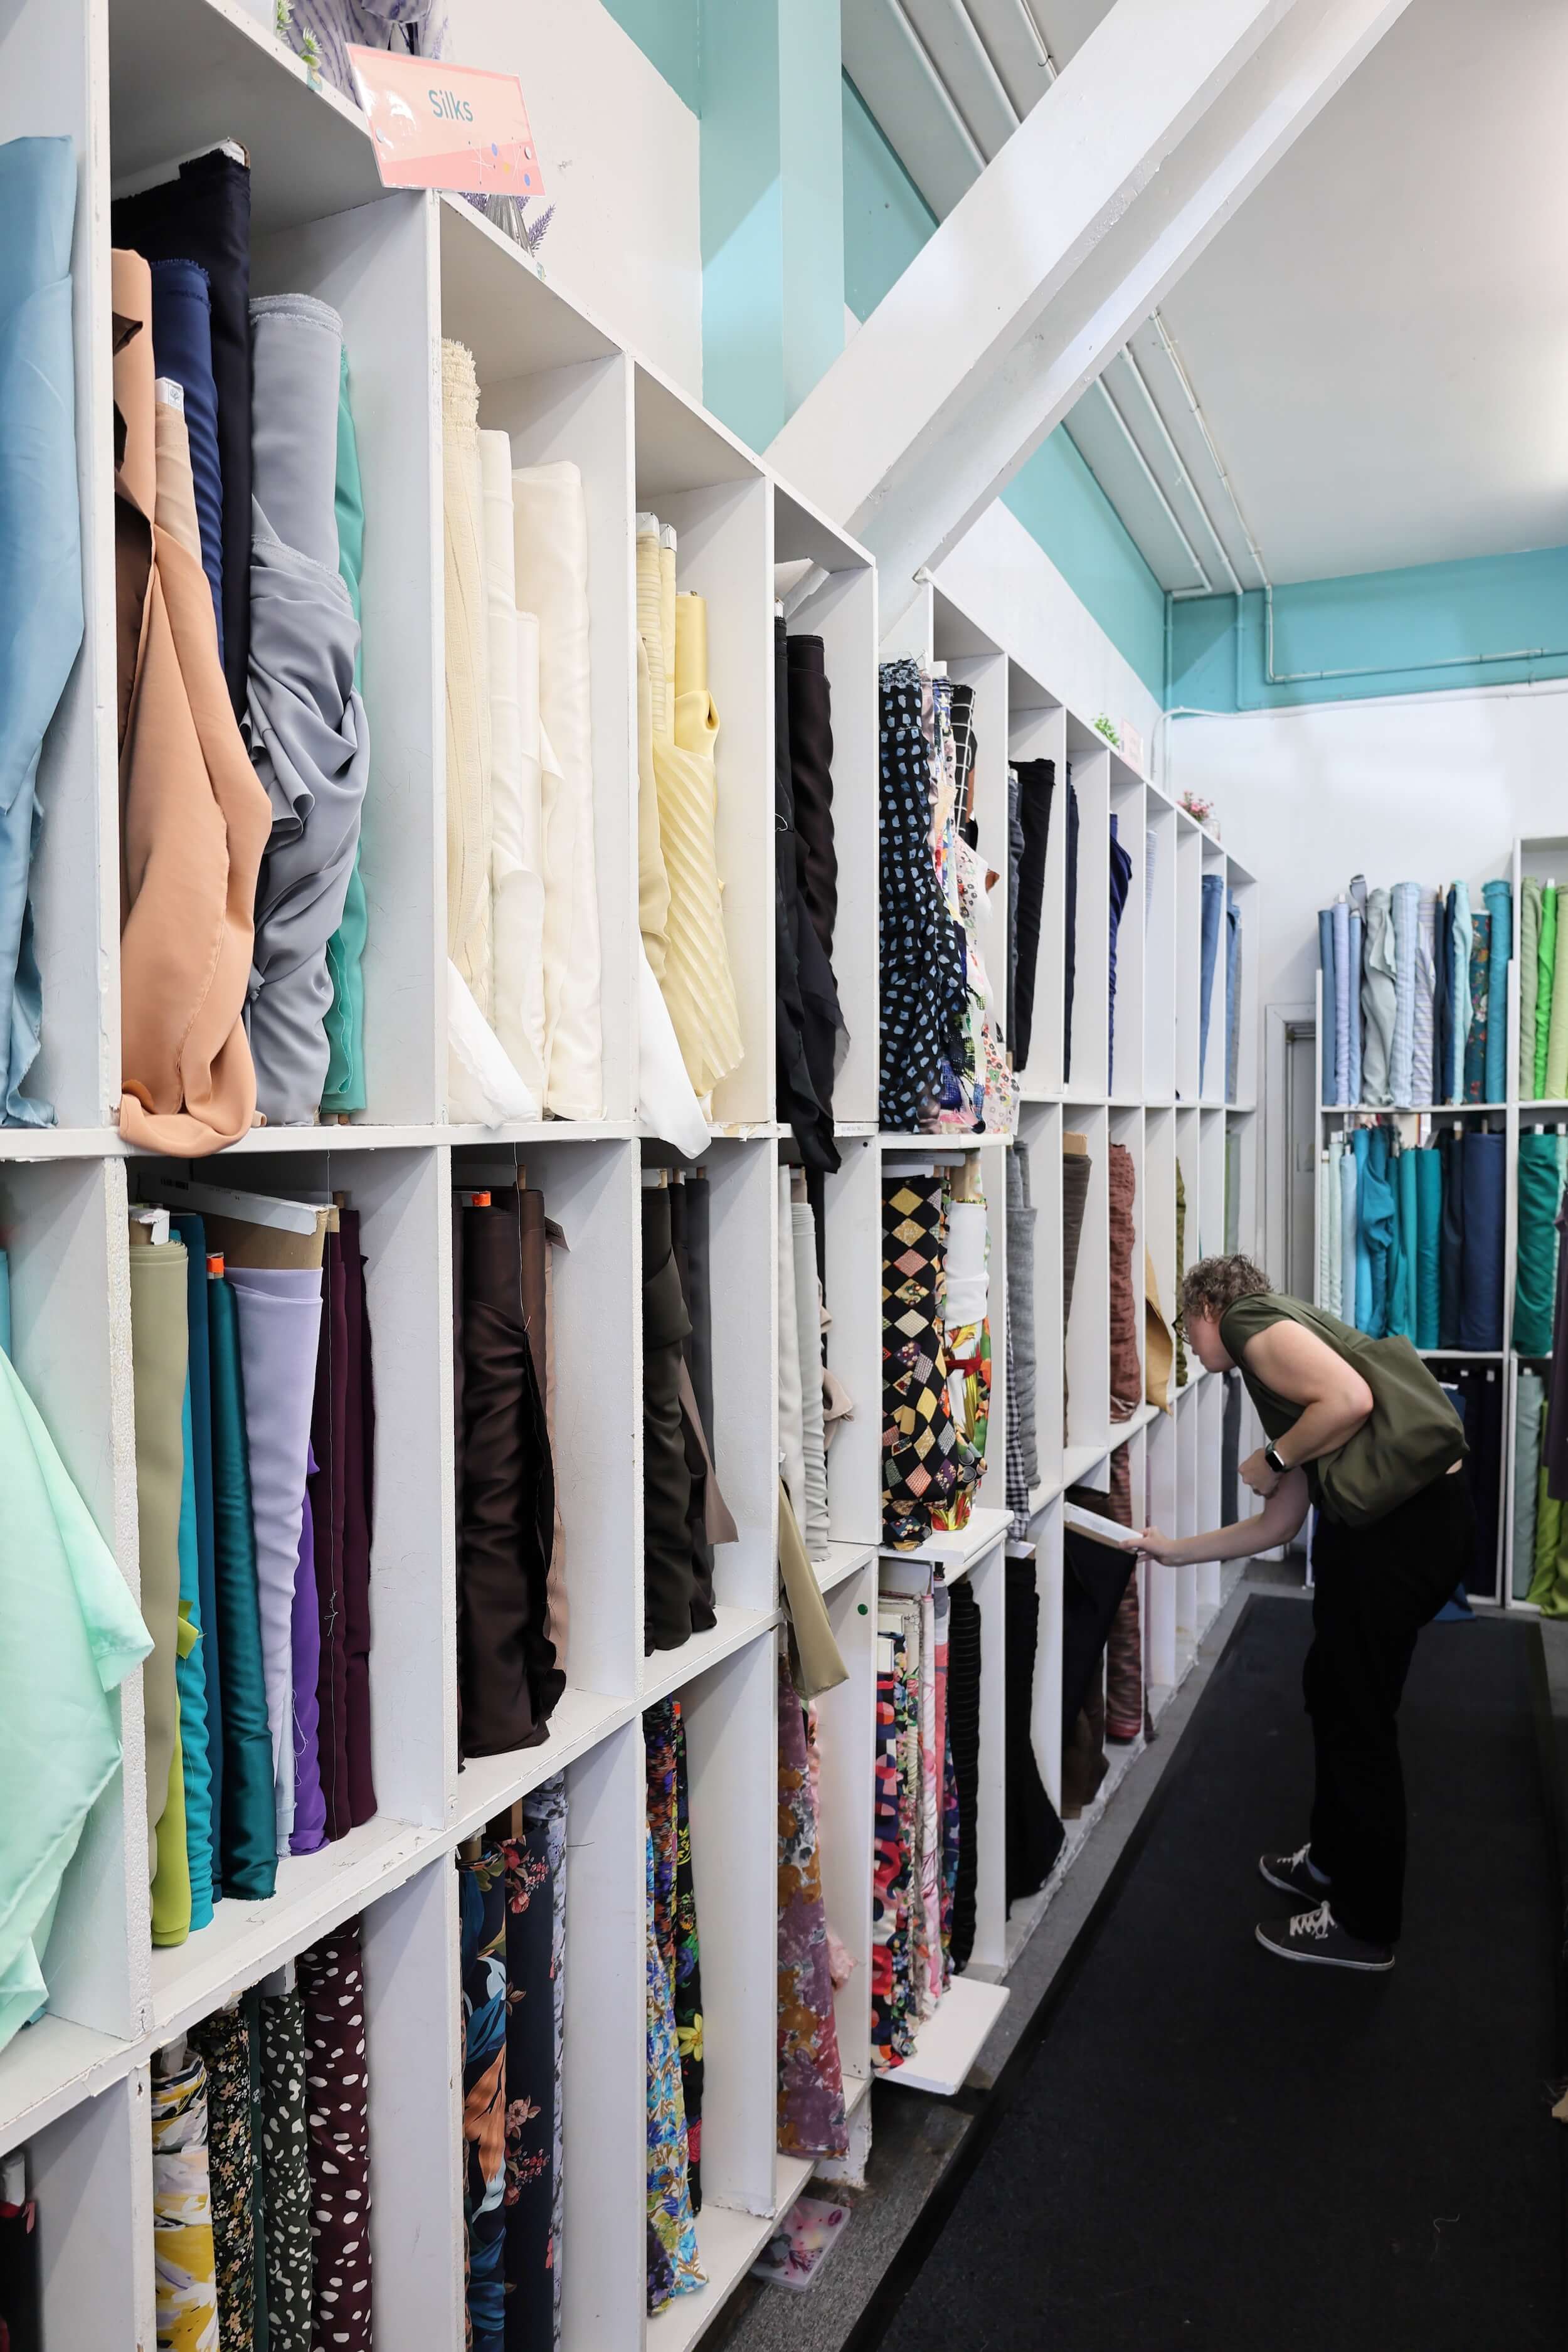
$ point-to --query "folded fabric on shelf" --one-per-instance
(1499, 897)
(920, 1443)
(1403, 912)
(1546, 971)
(1421, 1065)
(1485, 1188)
(1034, 1834)
(1212, 907)
(534, 1858)
(337, 2122)
(1480, 1000)
(1037, 789)
(1379, 999)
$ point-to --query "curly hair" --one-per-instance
(1216, 1283)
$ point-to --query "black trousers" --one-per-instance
(1373, 1589)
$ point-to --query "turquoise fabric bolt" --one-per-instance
(1378, 1221)
(1403, 1254)
(1347, 1234)
(40, 559)
(344, 1089)
(1428, 1167)
(190, 1681)
(70, 1633)
(1499, 897)
(1363, 1318)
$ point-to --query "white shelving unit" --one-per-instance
(1545, 857)
(137, 84)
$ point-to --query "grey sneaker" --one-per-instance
(1317, 1936)
(1293, 1874)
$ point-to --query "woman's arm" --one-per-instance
(1275, 1523)
(1335, 1400)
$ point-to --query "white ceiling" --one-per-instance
(1379, 338)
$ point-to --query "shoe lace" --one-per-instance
(1315, 1924)
(1294, 1861)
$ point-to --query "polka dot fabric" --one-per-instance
(337, 2119)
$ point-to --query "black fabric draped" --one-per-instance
(924, 995)
(689, 1231)
(203, 215)
(963, 1737)
(811, 765)
(1034, 1831)
(808, 1020)
(670, 1583)
(1037, 790)
(1096, 1577)
(508, 1678)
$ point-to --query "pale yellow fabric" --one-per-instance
(698, 987)
(517, 877)
(470, 824)
(653, 882)
(1158, 1346)
(666, 623)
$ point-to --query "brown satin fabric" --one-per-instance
(509, 1676)
(1126, 1380)
(194, 818)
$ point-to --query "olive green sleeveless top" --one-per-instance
(1412, 1437)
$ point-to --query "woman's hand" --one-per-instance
(1152, 1545)
(1256, 1473)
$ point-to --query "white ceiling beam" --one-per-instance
(1015, 241)
(943, 458)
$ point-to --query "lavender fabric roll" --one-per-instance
(279, 1326)
(1357, 946)
(1405, 908)
(306, 721)
(310, 1830)
(1343, 985)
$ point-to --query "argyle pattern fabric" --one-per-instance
(919, 1442)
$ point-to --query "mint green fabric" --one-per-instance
(70, 1633)
(247, 1833)
(344, 1089)
(1540, 1193)
(1530, 1405)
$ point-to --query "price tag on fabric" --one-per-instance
(434, 125)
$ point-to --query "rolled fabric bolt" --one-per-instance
(1500, 902)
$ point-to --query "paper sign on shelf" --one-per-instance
(1105, 1531)
(436, 125)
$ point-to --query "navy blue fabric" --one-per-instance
(1120, 876)
(183, 349)
(1481, 1296)
(203, 215)
(1451, 1252)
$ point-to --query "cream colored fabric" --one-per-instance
(517, 870)
(653, 882)
(468, 738)
(666, 1104)
(816, 1664)
(698, 987)
(792, 1423)
(549, 531)
(482, 1087)
(808, 1340)
(667, 620)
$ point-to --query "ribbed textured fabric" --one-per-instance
(698, 983)
(1422, 1065)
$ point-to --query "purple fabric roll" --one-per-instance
(280, 1313)
(309, 1832)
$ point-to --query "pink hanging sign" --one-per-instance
(434, 125)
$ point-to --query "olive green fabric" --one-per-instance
(158, 1367)
(1529, 980)
(1412, 1437)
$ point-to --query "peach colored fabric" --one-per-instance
(194, 817)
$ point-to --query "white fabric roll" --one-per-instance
(808, 1340)
(482, 1088)
(965, 1293)
(666, 1104)
(501, 637)
(791, 1430)
(467, 678)
(517, 869)
(549, 535)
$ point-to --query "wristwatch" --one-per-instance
(1271, 1455)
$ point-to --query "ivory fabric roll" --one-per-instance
(550, 528)
(309, 735)
(500, 570)
(468, 709)
(279, 1315)
(653, 882)
(698, 984)
(195, 816)
(517, 785)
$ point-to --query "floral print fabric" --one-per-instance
(482, 1934)
(181, 2209)
(535, 1864)
(811, 2120)
(675, 2269)
(675, 1912)
(897, 1917)
(224, 2043)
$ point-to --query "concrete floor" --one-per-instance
(916, 2138)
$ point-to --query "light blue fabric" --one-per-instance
(1499, 897)
(1357, 939)
(1232, 997)
(1363, 1246)
(1326, 1079)
(1459, 995)
(1404, 909)
(191, 1681)
(1213, 905)
(1378, 1000)
(40, 557)
(1341, 1003)
(1349, 1166)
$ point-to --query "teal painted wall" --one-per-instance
(665, 31)
(1410, 630)
(773, 209)
(886, 219)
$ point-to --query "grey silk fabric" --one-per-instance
(1023, 1360)
(1379, 994)
(307, 724)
